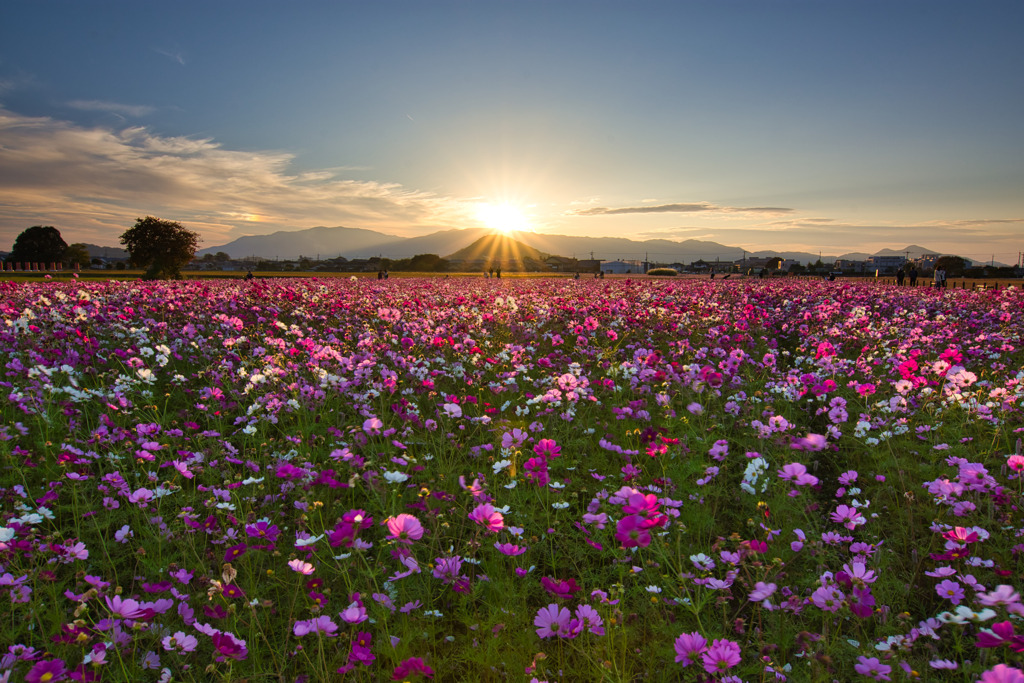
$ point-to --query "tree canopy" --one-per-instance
(76, 253)
(160, 246)
(953, 265)
(38, 244)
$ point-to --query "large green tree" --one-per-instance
(161, 247)
(76, 253)
(38, 244)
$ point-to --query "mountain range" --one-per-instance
(353, 243)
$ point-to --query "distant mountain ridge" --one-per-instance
(354, 243)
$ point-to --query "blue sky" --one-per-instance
(831, 125)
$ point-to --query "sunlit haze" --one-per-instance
(833, 127)
(503, 218)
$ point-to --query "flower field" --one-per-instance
(491, 480)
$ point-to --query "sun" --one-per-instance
(504, 218)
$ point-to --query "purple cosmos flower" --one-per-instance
(872, 668)
(950, 590)
(552, 621)
(585, 614)
(762, 591)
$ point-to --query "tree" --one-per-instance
(76, 254)
(954, 265)
(161, 247)
(38, 244)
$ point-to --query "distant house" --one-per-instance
(561, 264)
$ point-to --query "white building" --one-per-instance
(622, 267)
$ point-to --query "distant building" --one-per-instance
(846, 265)
(622, 267)
(885, 265)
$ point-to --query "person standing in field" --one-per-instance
(939, 277)
(913, 276)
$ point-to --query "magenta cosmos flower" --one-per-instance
(486, 516)
(690, 646)
(552, 621)
(404, 528)
(632, 531)
(47, 672)
(414, 666)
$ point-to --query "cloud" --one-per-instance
(175, 56)
(693, 207)
(112, 107)
(94, 182)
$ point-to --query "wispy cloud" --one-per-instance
(112, 107)
(171, 54)
(97, 181)
(692, 207)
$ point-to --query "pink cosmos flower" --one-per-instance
(828, 598)
(690, 646)
(488, 517)
(126, 608)
(1000, 673)
(301, 567)
(762, 591)
(562, 590)
(859, 572)
(871, 667)
(721, 656)
(961, 535)
(404, 528)
(322, 624)
(850, 517)
(552, 621)
(355, 613)
(797, 473)
(1003, 595)
(180, 642)
(509, 549)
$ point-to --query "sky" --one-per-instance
(834, 125)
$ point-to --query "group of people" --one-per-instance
(938, 276)
(383, 275)
(902, 275)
